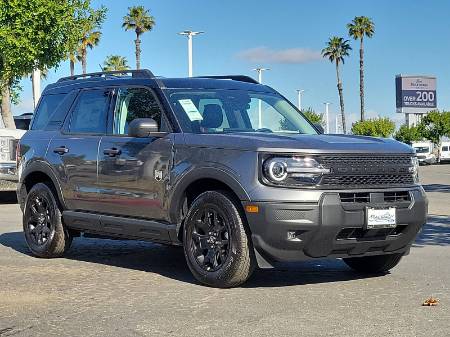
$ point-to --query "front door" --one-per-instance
(133, 172)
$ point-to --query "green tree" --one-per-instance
(139, 20)
(34, 34)
(115, 62)
(407, 135)
(360, 27)
(313, 116)
(90, 33)
(376, 127)
(435, 125)
(336, 50)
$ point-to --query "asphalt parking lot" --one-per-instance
(126, 288)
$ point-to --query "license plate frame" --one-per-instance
(380, 218)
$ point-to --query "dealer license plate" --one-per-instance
(380, 218)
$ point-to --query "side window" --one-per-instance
(46, 108)
(90, 112)
(132, 103)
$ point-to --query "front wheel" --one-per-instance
(377, 264)
(216, 244)
(44, 231)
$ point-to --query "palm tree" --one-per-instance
(336, 49)
(115, 63)
(90, 36)
(360, 27)
(73, 58)
(139, 20)
(89, 40)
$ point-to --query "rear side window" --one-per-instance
(46, 108)
(90, 112)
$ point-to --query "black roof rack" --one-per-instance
(143, 73)
(240, 78)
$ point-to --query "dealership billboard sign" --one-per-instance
(415, 94)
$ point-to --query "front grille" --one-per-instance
(366, 170)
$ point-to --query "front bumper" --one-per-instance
(294, 231)
(8, 171)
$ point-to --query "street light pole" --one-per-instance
(300, 92)
(190, 34)
(260, 70)
(326, 116)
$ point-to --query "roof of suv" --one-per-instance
(145, 77)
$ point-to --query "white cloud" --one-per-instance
(287, 56)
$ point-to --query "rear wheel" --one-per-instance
(44, 231)
(216, 244)
(374, 264)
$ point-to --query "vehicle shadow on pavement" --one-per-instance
(8, 197)
(436, 188)
(436, 232)
(168, 261)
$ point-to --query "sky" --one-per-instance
(411, 37)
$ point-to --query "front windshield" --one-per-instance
(225, 111)
(422, 149)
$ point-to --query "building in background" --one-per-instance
(415, 96)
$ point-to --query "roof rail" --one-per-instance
(240, 78)
(142, 73)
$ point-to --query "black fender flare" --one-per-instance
(176, 196)
(45, 168)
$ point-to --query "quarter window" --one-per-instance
(90, 112)
(46, 108)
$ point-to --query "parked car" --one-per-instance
(425, 152)
(223, 166)
(8, 143)
(444, 156)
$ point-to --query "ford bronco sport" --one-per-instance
(224, 166)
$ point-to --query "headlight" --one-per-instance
(293, 170)
(414, 169)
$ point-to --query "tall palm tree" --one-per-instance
(360, 27)
(336, 49)
(115, 62)
(139, 20)
(73, 58)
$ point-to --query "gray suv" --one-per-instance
(221, 165)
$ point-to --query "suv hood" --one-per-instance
(270, 142)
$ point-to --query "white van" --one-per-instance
(424, 152)
(444, 156)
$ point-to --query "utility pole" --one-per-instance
(326, 116)
(300, 92)
(36, 84)
(190, 34)
(260, 70)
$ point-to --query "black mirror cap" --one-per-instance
(142, 127)
(319, 128)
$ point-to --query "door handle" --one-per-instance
(61, 150)
(112, 152)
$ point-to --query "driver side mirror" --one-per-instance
(319, 128)
(142, 127)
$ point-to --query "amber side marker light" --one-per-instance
(252, 209)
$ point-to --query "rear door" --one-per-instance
(133, 172)
(74, 151)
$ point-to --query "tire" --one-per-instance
(44, 231)
(379, 264)
(216, 243)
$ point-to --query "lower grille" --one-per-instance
(369, 234)
(397, 196)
